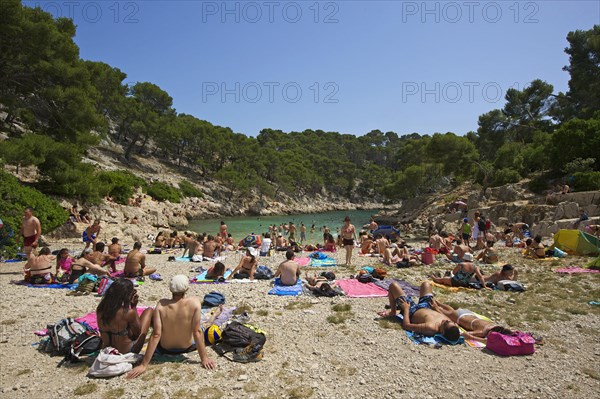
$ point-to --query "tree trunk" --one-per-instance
(131, 145)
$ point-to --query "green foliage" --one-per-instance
(505, 176)
(119, 184)
(586, 181)
(189, 190)
(163, 192)
(14, 198)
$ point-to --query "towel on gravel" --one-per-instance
(355, 289)
(56, 285)
(302, 261)
(326, 262)
(286, 290)
(201, 278)
(571, 270)
(408, 288)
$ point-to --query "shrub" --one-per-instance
(164, 192)
(119, 184)
(505, 176)
(586, 181)
(189, 190)
(14, 197)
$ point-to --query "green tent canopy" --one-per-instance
(577, 242)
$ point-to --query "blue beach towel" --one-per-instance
(201, 278)
(322, 262)
(182, 259)
(437, 339)
(286, 290)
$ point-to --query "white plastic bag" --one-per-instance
(111, 363)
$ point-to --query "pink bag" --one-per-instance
(510, 345)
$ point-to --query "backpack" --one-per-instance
(85, 343)
(62, 334)
(328, 275)
(379, 273)
(213, 299)
(245, 343)
(326, 291)
(481, 224)
(263, 273)
(365, 278)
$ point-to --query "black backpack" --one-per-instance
(263, 273)
(85, 343)
(245, 343)
(481, 224)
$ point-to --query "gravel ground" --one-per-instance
(308, 356)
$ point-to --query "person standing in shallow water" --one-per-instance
(348, 236)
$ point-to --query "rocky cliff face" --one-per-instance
(506, 204)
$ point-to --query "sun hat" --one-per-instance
(179, 284)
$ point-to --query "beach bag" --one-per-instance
(326, 291)
(365, 278)
(62, 334)
(510, 345)
(328, 275)
(103, 285)
(263, 273)
(111, 363)
(85, 343)
(244, 342)
(213, 299)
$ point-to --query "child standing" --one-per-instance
(466, 231)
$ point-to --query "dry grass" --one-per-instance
(251, 387)
(157, 395)
(202, 393)
(300, 392)
(262, 312)
(389, 324)
(8, 322)
(592, 373)
(24, 372)
(85, 389)
(342, 312)
(298, 305)
(114, 393)
(244, 307)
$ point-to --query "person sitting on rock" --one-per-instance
(489, 254)
(176, 327)
(462, 274)
(135, 263)
(420, 317)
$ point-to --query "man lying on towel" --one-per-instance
(420, 317)
(176, 327)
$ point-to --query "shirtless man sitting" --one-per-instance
(31, 230)
(210, 247)
(462, 274)
(114, 250)
(102, 259)
(135, 264)
(436, 241)
(280, 243)
(459, 251)
(38, 269)
(420, 317)
(288, 271)
(382, 244)
(176, 327)
(489, 254)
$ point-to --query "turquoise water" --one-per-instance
(241, 226)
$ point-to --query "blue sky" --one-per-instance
(345, 66)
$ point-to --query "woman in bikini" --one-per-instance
(118, 320)
(476, 328)
(348, 236)
(216, 272)
(38, 269)
(86, 264)
(320, 285)
(246, 268)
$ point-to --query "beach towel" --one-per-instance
(182, 259)
(201, 278)
(355, 289)
(286, 290)
(436, 340)
(408, 288)
(451, 289)
(571, 270)
(325, 262)
(55, 286)
(302, 261)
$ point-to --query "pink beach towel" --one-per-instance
(571, 270)
(302, 261)
(355, 289)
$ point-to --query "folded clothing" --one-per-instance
(286, 290)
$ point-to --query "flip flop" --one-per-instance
(155, 277)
